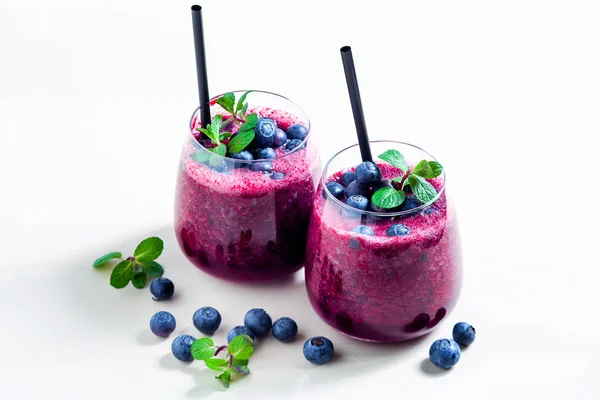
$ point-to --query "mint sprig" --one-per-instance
(393, 197)
(238, 353)
(213, 130)
(135, 269)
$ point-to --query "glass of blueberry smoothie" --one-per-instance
(383, 260)
(245, 187)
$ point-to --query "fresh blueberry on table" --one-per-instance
(444, 353)
(243, 155)
(182, 347)
(258, 321)
(348, 177)
(265, 131)
(280, 138)
(162, 288)
(265, 166)
(368, 173)
(293, 144)
(207, 320)
(356, 188)
(335, 189)
(277, 176)
(318, 350)
(162, 323)
(398, 230)
(358, 201)
(297, 131)
(265, 154)
(237, 331)
(285, 329)
(463, 333)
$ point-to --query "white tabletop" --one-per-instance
(94, 103)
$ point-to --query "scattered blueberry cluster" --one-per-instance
(445, 353)
(257, 323)
(268, 137)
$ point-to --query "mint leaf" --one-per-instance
(241, 369)
(224, 135)
(218, 153)
(201, 156)
(208, 131)
(394, 158)
(153, 269)
(436, 168)
(240, 141)
(203, 349)
(227, 101)
(225, 378)
(244, 110)
(421, 188)
(252, 119)
(238, 362)
(241, 347)
(428, 169)
(240, 103)
(139, 280)
(216, 364)
(122, 274)
(388, 197)
(148, 250)
(102, 260)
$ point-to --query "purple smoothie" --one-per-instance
(243, 225)
(381, 288)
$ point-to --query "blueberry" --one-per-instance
(207, 320)
(243, 155)
(293, 144)
(258, 321)
(318, 350)
(356, 188)
(364, 230)
(335, 189)
(277, 176)
(182, 347)
(348, 177)
(384, 183)
(407, 188)
(297, 131)
(444, 353)
(463, 333)
(261, 166)
(237, 331)
(430, 210)
(358, 201)
(398, 230)
(162, 323)
(280, 138)
(265, 154)
(265, 131)
(410, 203)
(222, 167)
(162, 288)
(368, 173)
(285, 329)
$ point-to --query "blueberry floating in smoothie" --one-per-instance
(318, 350)
(162, 323)
(207, 320)
(336, 190)
(182, 347)
(398, 230)
(285, 329)
(264, 131)
(280, 138)
(293, 144)
(264, 166)
(237, 331)
(265, 154)
(162, 288)
(368, 174)
(348, 178)
(444, 353)
(463, 333)
(297, 132)
(258, 321)
(277, 176)
(243, 155)
(358, 201)
(356, 188)
(361, 230)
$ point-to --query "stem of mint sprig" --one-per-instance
(392, 197)
(239, 351)
(137, 268)
(213, 130)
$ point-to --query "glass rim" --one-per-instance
(300, 147)
(376, 213)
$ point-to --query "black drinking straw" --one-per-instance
(201, 65)
(357, 110)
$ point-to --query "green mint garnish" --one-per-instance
(213, 130)
(239, 351)
(424, 191)
(105, 258)
(135, 269)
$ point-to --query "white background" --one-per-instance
(95, 99)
